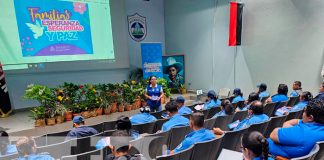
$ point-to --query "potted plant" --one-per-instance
(38, 114)
(60, 110)
(67, 96)
(166, 90)
(183, 89)
(128, 96)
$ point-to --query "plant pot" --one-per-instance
(59, 119)
(167, 99)
(50, 121)
(93, 113)
(121, 108)
(68, 116)
(107, 110)
(86, 114)
(138, 103)
(144, 103)
(114, 107)
(76, 114)
(163, 101)
(134, 107)
(40, 122)
(99, 111)
(183, 91)
(129, 107)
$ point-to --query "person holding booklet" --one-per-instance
(255, 115)
(304, 98)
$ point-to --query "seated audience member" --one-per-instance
(120, 146)
(199, 134)
(143, 117)
(320, 95)
(262, 90)
(238, 95)
(252, 97)
(281, 94)
(227, 109)
(304, 98)
(297, 90)
(255, 146)
(297, 137)
(212, 100)
(5, 146)
(26, 147)
(79, 129)
(255, 115)
(176, 119)
(124, 124)
(182, 109)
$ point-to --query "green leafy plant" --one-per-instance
(37, 113)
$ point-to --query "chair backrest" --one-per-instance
(279, 105)
(157, 115)
(269, 108)
(240, 115)
(224, 92)
(91, 155)
(207, 150)
(232, 139)
(136, 146)
(320, 154)
(311, 155)
(56, 150)
(183, 155)
(144, 128)
(177, 134)
(158, 124)
(260, 127)
(222, 122)
(109, 125)
(292, 101)
(209, 123)
(155, 144)
(294, 115)
(9, 156)
(263, 99)
(41, 140)
(205, 112)
(213, 111)
(108, 133)
(275, 122)
(58, 137)
(98, 127)
(84, 144)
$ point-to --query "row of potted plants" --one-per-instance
(67, 100)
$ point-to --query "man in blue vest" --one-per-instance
(320, 95)
(176, 119)
(79, 129)
(182, 109)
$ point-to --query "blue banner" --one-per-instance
(152, 59)
(52, 27)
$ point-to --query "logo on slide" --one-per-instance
(137, 27)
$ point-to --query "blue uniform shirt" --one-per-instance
(221, 113)
(251, 120)
(193, 137)
(301, 105)
(261, 158)
(237, 99)
(154, 92)
(82, 131)
(142, 118)
(244, 108)
(41, 156)
(279, 98)
(294, 94)
(212, 103)
(11, 149)
(320, 96)
(175, 121)
(184, 110)
(263, 94)
(298, 140)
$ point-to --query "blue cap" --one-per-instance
(180, 99)
(211, 93)
(78, 119)
(237, 91)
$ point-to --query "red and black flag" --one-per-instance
(235, 27)
(5, 105)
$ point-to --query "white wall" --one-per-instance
(282, 41)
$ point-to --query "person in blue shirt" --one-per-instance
(262, 91)
(143, 117)
(320, 95)
(255, 115)
(153, 94)
(182, 109)
(238, 95)
(122, 123)
(255, 146)
(5, 146)
(79, 129)
(199, 134)
(252, 97)
(297, 90)
(176, 119)
(297, 137)
(212, 100)
(304, 98)
(227, 109)
(281, 94)
(26, 147)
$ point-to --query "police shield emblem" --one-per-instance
(137, 27)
